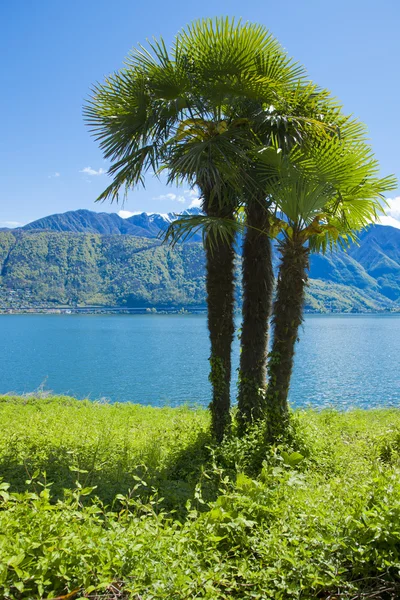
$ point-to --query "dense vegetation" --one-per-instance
(56, 268)
(318, 517)
(85, 269)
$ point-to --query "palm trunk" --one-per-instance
(287, 318)
(258, 282)
(220, 302)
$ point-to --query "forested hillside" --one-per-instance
(49, 268)
(86, 269)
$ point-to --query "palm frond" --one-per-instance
(213, 230)
(202, 111)
(325, 194)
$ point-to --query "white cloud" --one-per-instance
(394, 208)
(125, 214)
(56, 174)
(389, 221)
(165, 197)
(172, 197)
(191, 193)
(193, 196)
(195, 203)
(186, 196)
(392, 211)
(10, 224)
(90, 171)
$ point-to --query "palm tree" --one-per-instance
(182, 113)
(295, 118)
(258, 285)
(301, 118)
(322, 199)
(285, 123)
(216, 177)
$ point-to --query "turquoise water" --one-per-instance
(341, 361)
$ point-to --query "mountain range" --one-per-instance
(87, 258)
(146, 225)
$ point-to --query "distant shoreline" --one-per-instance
(95, 310)
(109, 310)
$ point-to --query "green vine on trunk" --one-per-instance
(217, 378)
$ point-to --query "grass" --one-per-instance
(98, 444)
(171, 516)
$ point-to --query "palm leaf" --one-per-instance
(213, 230)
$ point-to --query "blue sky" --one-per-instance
(54, 51)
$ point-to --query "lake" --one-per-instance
(341, 360)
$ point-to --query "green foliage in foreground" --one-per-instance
(98, 444)
(316, 517)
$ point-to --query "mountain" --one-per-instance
(50, 268)
(146, 225)
(82, 257)
(379, 254)
(86, 221)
